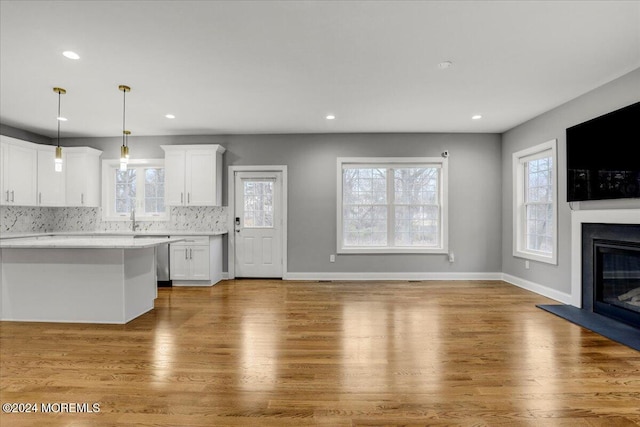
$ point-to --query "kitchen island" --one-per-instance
(78, 279)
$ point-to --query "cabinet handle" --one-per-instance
(190, 255)
(82, 198)
(40, 198)
(185, 253)
(188, 198)
(7, 199)
(181, 198)
(12, 195)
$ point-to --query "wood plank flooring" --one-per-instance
(272, 353)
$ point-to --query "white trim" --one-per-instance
(231, 274)
(537, 288)
(519, 223)
(393, 276)
(610, 216)
(387, 162)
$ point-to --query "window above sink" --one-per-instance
(141, 187)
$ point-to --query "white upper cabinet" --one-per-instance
(82, 166)
(28, 176)
(19, 164)
(51, 184)
(174, 177)
(193, 175)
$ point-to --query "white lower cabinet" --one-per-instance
(190, 260)
(196, 261)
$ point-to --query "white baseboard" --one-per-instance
(393, 276)
(537, 288)
(516, 281)
(202, 283)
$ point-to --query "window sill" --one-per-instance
(127, 218)
(550, 259)
(391, 251)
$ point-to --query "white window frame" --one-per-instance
(546, 149)
(390, 162)
(108, 191)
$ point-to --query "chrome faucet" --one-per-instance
(133, 220)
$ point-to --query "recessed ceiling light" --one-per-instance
(170, 116)
(445, 64)
(71, 55)
(62, 119)
(330, 117)
(476, 117)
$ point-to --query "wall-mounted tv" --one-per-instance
(603, 156)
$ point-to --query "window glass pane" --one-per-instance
(365, 226)
(416, 209)
(258, 204)
(364, 211)
(416, 185)
(154, 191)
(417, 226)
(149, 190)
(539, 205)
(538, 180)
(364, 186)
(150, 205)
(539, 227)
(150, 176)
(125, 191)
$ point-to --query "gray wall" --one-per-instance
(480, 199)
(25, 135)
(474, 185)
(550, 125)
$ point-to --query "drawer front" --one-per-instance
(192, 240)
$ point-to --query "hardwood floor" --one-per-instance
(272, 353)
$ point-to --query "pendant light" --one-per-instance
(58, 160)
(124, 150)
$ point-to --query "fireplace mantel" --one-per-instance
(610, 216)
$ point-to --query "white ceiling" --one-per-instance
(225, 67)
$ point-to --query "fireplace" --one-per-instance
(611, 271)
(605, 274)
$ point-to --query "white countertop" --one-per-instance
(70, 242)
(94, 234)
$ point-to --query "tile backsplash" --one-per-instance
(22, 219)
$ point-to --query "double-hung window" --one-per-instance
(535, 203)
(392, 205)
(140, 187)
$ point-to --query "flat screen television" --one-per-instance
(603, 156)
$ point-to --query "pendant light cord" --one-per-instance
(58, 119)
(124, 106)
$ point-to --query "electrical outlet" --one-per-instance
(332, 258)
(526, 264)
(452, 257)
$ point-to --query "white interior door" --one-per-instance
(258, 224)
